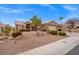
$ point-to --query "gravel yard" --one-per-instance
(29, 41)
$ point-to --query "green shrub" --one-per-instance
(15, 34)
(21, 30)
(44, 30)
(53, 32)
(77, 27)
(59, 30)
(6, 31)
(62, 33)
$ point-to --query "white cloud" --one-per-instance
(73, 12)
(49, 6)
(70, 8)
(71, 15)
(9, 10)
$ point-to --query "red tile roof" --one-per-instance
(51, 23)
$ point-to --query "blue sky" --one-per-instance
(9, 13)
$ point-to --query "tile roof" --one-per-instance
(51, 23)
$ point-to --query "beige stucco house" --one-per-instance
(51, 25)
(20, 25)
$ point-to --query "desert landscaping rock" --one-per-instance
(29, 41)
(60, 47)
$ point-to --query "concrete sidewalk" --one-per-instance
(60, 47)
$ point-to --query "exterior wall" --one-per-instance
(30, 27)
(20, 26)
(52, 28)
(44, 27)
(23, 25)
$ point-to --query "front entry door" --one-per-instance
(28, 27)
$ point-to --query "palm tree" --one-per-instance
(62, 18)
(35, 21)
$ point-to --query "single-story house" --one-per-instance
(72, 21)
(51, 25)
(19, 25)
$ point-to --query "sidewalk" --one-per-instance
(60, 47)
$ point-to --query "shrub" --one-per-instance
(44, 30)
(15, 34)
(6, 31)
(62, 33)
(77, 27)
(59, 30)
(21, 30)
(53, 32)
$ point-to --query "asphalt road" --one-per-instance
(74, 51)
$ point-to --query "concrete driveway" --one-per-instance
(60, 47)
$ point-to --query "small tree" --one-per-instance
(35, 21)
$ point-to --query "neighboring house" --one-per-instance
(22, 25)
(77, 24)
(74, 21)
(52, 25)
(63, 27)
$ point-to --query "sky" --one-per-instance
(9, 13)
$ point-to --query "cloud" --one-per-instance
(70, 8)
(48, 6)
(73, 12)
(10, 10)
(71, 15)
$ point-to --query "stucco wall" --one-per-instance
(52, 28)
